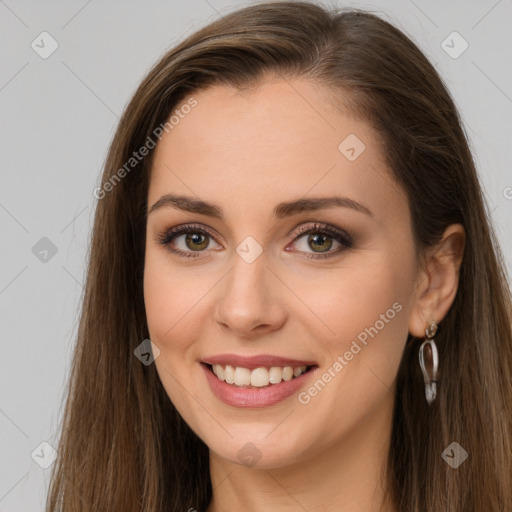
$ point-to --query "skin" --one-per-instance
(247, 152)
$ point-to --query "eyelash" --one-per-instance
(167, 236)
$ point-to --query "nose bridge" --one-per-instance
(248, 266)
(247, 300)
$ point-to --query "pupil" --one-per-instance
(315, 239)
(197, 239)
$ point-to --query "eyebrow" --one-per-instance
(282, 210)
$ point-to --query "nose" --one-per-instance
(249, 303)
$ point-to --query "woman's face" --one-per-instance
(302, 256)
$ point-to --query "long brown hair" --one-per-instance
(123, 445)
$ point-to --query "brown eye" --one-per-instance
(319, 242)
(187, 241)
(322, 239)
(197, 241)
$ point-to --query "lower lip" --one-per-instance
(253, 397)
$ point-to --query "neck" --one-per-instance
(349, 476)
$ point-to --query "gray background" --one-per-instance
(58, 117)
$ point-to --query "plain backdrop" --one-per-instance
(58, 115)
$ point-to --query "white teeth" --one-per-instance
(229, 373)
(298, 370)
(242, 376)
(258, 377)
(275, 375)
(287, 373)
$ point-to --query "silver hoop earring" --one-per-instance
(430, 379)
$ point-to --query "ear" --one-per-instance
(438, 280)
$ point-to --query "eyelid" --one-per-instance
(323, 228)
(164, 237)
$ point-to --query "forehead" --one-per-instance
(280, 140)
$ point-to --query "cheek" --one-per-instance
(169, 298)
(357, 297)
(360, 360)
(366, 311)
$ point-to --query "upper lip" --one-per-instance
(251, 362)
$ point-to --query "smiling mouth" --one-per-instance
(257, 378)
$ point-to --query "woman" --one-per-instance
(294, 298)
